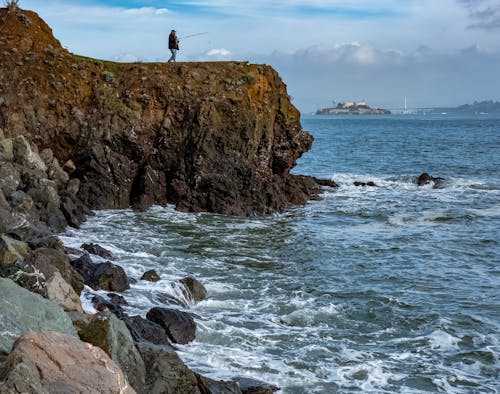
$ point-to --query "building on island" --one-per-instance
(352, 108)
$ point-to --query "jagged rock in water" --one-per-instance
(150, 276)
(253, 386)
(101, 276)
(195, 290)
(145, 330)
(98, 250)
(50, 362)
(425, 179)
(180, 326)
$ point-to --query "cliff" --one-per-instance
(218, 137)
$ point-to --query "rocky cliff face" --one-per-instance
(218, 137)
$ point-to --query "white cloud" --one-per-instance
(218, 52)
(145, 11)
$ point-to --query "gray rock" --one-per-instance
(2, 134)
(61, 293)
(24, 155)
(53, 363)
(46, 194)
(12, 250)
(21, 201)
(6, 150)
(26, 276)
(112, 336)
(3, 202)
(180, 326)
(73, 186)
(10, 178)
(57, 174)
(165, 371)
(47, 156)
(21, 311)
(46, 260)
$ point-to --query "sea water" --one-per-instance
(387, 289)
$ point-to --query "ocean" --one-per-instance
(387, 289)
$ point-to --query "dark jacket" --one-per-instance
(173, 41)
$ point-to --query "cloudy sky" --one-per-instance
(435, 52)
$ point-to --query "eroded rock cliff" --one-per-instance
(218, 137)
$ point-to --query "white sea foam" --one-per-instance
(443, 341)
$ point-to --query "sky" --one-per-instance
(434, 52)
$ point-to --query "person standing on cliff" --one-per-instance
(173, 45)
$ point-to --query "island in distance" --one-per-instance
(352, 108)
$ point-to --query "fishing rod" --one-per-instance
(194, 35)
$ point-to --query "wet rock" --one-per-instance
(195, 290)
(50, 362)
(101, 276)
(150, 276)
(12, 250)
(253, 386)
(165, 371)
(179, 326)
(98, 250)
(425, 179)
(49, 242)
(370, 183)
(44, 258)
(210, 386)
(111, 335)
(117, 299)
(145, 330)
(326, 182)
(102, 304)
(22, 311)
(73, 213)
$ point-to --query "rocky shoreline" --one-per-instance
(78, 134)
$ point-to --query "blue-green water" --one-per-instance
(392, 289)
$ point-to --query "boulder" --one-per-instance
(50, 362)
(44, 258)
(73, 212)
(145, 330)
(45, 194)
(26, 276)
(194, 289)
(10, 178)
(20, 201)
(3, 202)
(112, 336)
(69, 166)
(57, 174)
(12, 250)
(179, 326)
(62, 294)
(73, 186)
(47, 156)
(6, 152)
(254, 386)
(102, 304)
(326, 182)
(101, 276)
(210, 386)
(150, 276)
(25, 156)
(98, 250)
(165, 371)
(21, 311)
